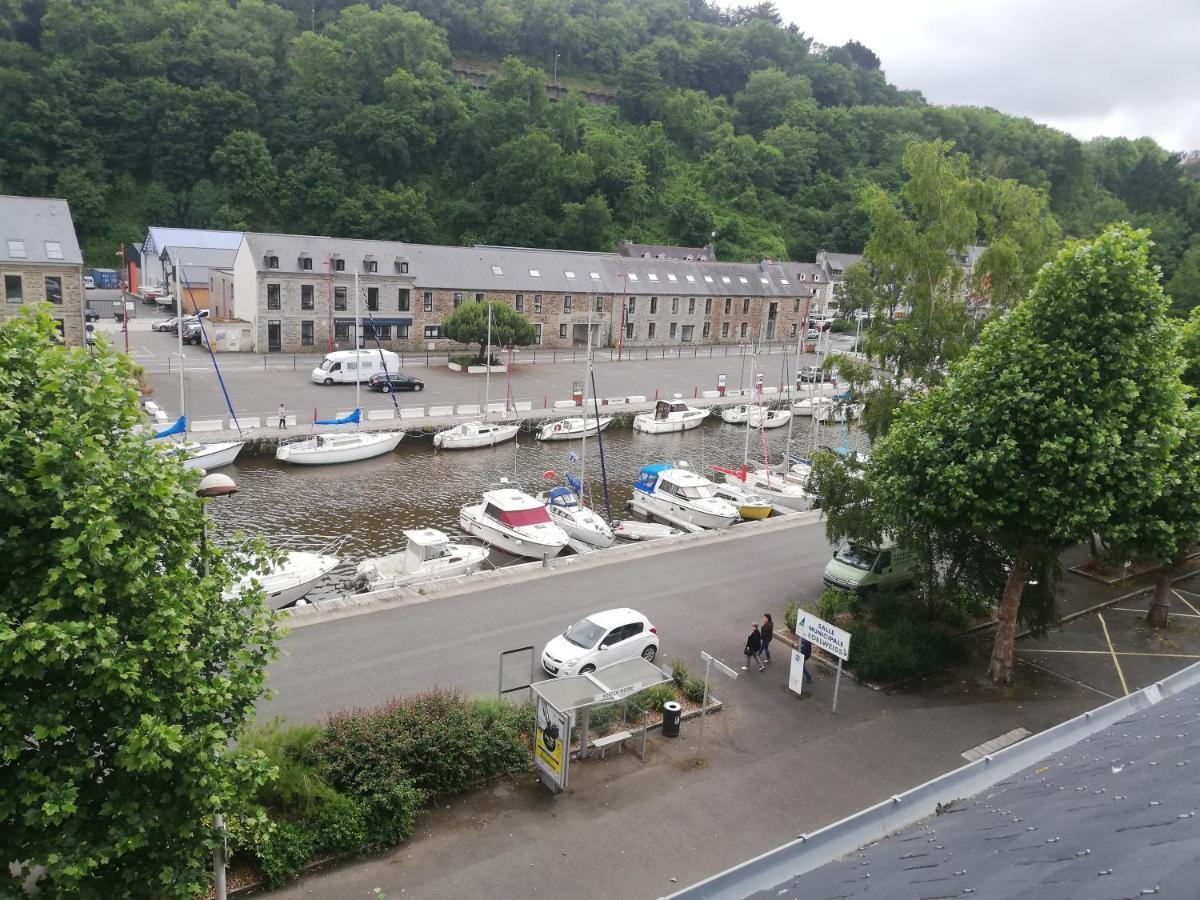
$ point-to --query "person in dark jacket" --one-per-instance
(806, 652)
(766, 631)
(753, 649)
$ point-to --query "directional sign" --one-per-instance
(709, 658)
(821, 634)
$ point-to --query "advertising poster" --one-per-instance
(796, 673)
(552, 736)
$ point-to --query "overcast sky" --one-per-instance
(1089, 67)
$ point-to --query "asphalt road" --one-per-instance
(257, 384)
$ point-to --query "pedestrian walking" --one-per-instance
(282, 417)
(766, 631)
(806, 652)
(753, 649)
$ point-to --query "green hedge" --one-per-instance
(359, 782)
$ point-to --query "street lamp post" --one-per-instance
(556, 68)
(214, 486)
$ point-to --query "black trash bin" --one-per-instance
(672, 715)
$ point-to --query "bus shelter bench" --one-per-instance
(617, 737)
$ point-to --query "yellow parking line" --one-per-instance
(1184, 599)
(1112, 650)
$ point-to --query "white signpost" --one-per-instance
(821, 634)
(709, 662)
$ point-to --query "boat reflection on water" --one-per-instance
(373, 502)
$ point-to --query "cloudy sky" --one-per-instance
(1089, 67)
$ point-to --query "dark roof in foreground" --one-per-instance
(1104, 805)
(1113, 816)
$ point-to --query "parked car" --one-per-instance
(815, 373)
(599, 640)
(192, 333)
(165, 325)
(90, 315)
(394, 381)
(89, 283)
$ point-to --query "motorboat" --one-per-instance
(668, 416)
(839, 412)
(430, 555)
(750, 505)
(676, 494)
(575, 427)
(467, 435)
(755, 416)
(637, 530)
(288, 580)
(781, 488)
(579, 522)
(340, 447)
(205, 457)
(514, 522)
(813, 406)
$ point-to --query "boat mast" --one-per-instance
(801, 330)
(749, 407)
(487, 364)
(179, 341)
(357, 360)
(587, 372)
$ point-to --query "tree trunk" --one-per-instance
(1001, 667)
(1160, 606)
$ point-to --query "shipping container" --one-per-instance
(107, 278)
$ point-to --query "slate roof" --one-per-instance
(1116, 814)
(558, 271)
(667, 251)
(842, 261)
(33, 221)
(198, 260)
(158, 237)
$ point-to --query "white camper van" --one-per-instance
(348, 366)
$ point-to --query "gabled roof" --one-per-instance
(484, 268)
(197, 261)
(158, 237)
(28, 224)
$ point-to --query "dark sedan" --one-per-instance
(394, 381)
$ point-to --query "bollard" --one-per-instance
(546, 560)
(656, 395)
(695, 391)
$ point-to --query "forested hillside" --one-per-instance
(346, 119)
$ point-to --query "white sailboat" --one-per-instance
(430, 555)
(669, 416)
(195, 455)
(341, 446)
(470, 435)
(574, 427)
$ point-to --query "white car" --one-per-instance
(599, 640)
(89, 283)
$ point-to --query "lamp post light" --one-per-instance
(214, 485)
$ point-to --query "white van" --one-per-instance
(348, 366)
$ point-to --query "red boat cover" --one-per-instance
(517, 517)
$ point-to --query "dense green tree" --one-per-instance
(1184, 286)
(469, 325)
(125, 674)
(1064, 414)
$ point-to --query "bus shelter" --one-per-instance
(560, 701)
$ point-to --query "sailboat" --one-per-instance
(469, 435)
(341, 446)
(195, 455)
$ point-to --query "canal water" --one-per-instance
(368, 504)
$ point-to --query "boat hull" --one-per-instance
(449, 440)
(652, 505)
(295, 576)
(645, 422)
(633, 530)
(473, 522)
(584, 525)
(570, 429)
(311, 453)
(468, 560)
(213, 456)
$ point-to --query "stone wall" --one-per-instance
(33, 290)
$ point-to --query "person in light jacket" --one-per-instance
(766, 631)
(753, 649)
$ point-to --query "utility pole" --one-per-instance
(555, 80)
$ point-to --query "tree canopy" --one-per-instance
(469, 325)
(124, 673)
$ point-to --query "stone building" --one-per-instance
(40, 261)
(296, 294)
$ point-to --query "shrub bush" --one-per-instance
(341, 826)
(843, 326)
(602, 718)
(679, 672)
(694, 690)
(464, 359)
(835, 603)
(902, 648)
(283, 852)
(789, 616)
(297, 791)
(658, 695)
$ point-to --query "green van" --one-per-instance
(865, 568)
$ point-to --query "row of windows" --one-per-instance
(371, 331)
(339, 265)
(16, 250)
(14, 288)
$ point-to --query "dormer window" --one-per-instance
(272, 261)
(16, 249)
(339, 265)
(305, 262)
(401, 265)
(370, 264)
(54, 250)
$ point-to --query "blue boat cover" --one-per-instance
(352, 419)
(563, 496)
(575, 484)
(179, 427)
(649, 477)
